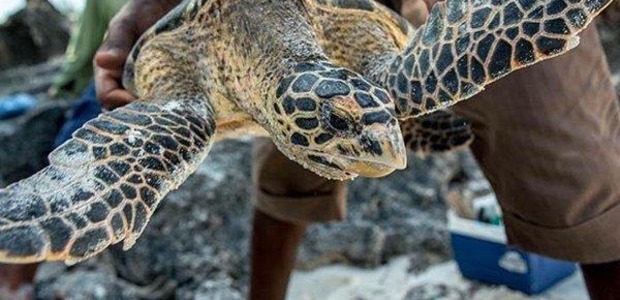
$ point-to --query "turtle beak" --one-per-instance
(382, 151)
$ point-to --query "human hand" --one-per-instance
(416, 11)
(430, 3)
(124, 30)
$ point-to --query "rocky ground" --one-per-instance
(33, 35)
(196, 244)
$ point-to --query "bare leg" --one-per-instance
(603, 280)
(13, 280)
(274, 250)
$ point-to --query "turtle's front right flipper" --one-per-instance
(441, 131)
(103, 185)
(467, 44)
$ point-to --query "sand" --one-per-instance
(392, 281)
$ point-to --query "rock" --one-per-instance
(400, 214)
(81, 285)
(435, 291)
(33, 35)
(358, 242)
(417, 235)
(39, 77)
(218, 289)
(197, 241)
(26, 140)
(200, 232)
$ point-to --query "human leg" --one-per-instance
(603, 280)
(16, 281)
(274, 250)
(287, 198)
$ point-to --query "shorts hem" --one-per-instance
(303, 210)
(595, 241)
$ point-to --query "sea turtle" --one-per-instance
(327, 80)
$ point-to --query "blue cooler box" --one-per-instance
(481, 253)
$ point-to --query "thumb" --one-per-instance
(110, 58)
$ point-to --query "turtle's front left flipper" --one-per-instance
(103, 185)
(441, 131)
(467, 44)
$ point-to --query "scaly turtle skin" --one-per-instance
(325, 79)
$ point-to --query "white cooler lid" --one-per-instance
(475, 229)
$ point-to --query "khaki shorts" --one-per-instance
(548, 140)
(286, 191)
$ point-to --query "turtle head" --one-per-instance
(337, 124)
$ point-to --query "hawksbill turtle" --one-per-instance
(327, 80)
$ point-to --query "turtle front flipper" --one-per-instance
(441, 131)
(103, 185)
(467, 44)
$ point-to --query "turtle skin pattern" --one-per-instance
(438, 132)
(130, 158)
(467, 44)
(281, 74)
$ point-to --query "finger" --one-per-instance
(117, 98)
(110, 59)
(430, 3)
(415, 12)
(109, 89)
(106, 80)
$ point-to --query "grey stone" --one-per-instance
(81, 285)
(26, 141)
(435, 291)
(358, 242)
(33, 35)
(197, 241)
(40, 78)
(217, 289)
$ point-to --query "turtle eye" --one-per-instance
(337, 122)
(341, 116)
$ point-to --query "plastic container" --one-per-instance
(481, 253)
(15, 105)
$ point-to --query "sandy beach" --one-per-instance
(394, 282)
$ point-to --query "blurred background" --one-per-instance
(395, 243)
(9, 7)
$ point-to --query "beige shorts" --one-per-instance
(287, 191)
